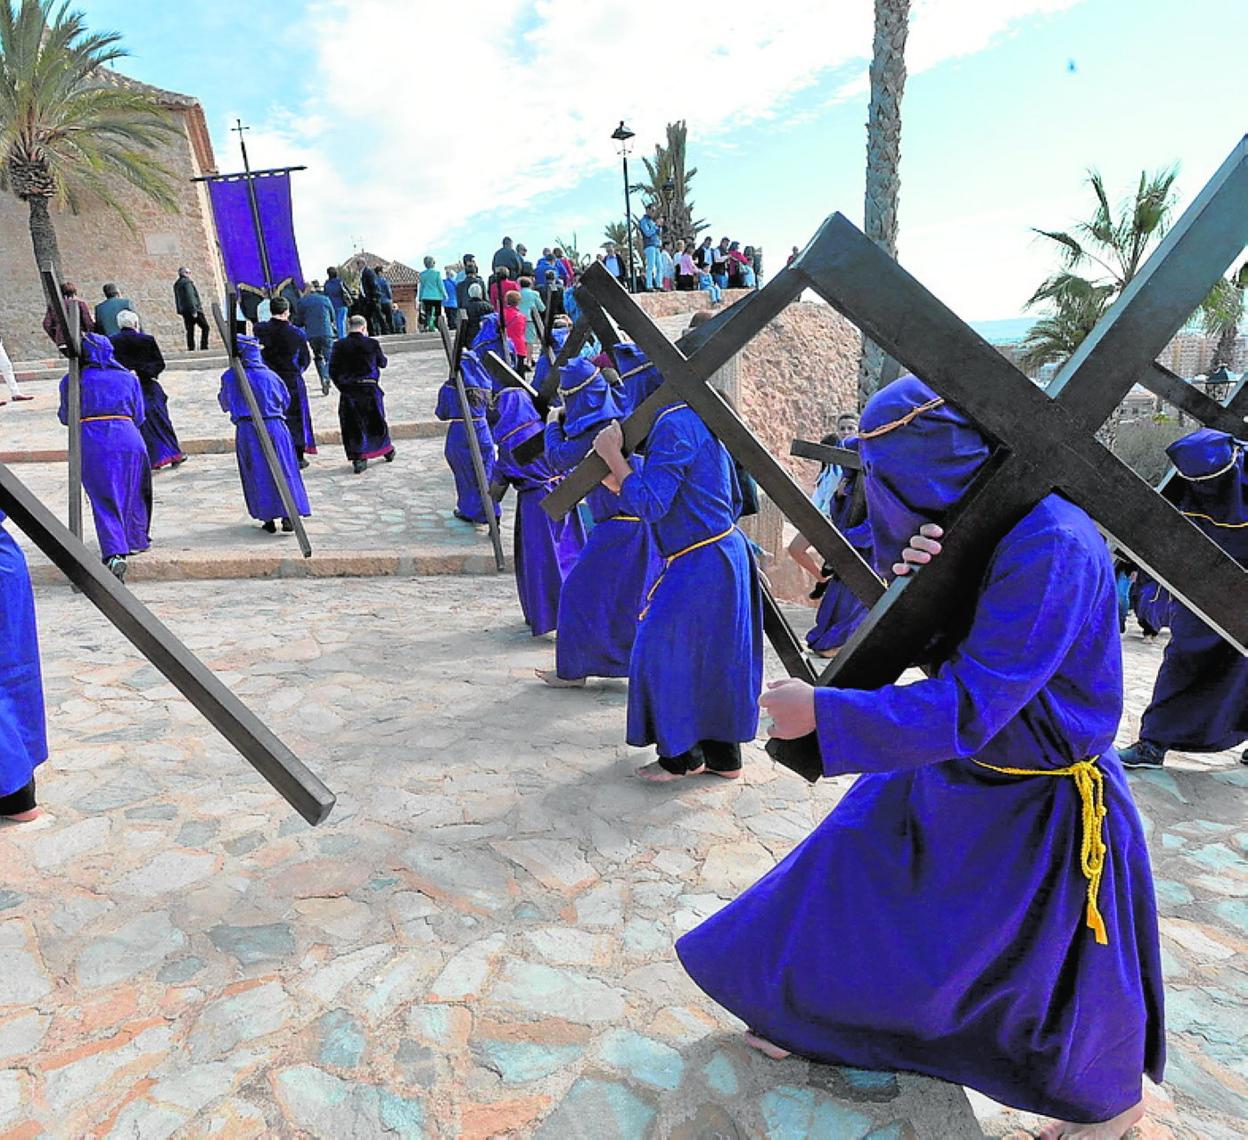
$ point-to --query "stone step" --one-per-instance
(50, 368)
(224, 445)
(210, 565)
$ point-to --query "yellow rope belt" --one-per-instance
(1091, 787)
(96, 419)
(1197, 515)
(667, 564)
(623, 518)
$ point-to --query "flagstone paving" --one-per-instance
(478, 941)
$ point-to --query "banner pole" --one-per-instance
(261, 244)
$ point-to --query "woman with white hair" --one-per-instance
(141, 354)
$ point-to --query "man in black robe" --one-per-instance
(355, 368)
(284, 349)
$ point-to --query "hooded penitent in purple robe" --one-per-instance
(1151, 603)
(355, 368)
(840, 612)
(489, 339)
(542, 368)
(116, 472)
(938, 920)
(23, 736)
(546, 549)
(606, 589)
(697, 668)
(264, 501)
(1200, 699)
(477, 383)
(141, 354)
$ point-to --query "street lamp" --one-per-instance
(623, 136)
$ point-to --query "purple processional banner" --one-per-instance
(236, 231)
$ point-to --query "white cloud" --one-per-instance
(425, 114)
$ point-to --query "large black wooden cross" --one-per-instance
(190, 676)
(1046, 440)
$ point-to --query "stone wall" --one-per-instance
(97, 246)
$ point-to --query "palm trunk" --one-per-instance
(1224, 350)
(883, 183)
(43, 237)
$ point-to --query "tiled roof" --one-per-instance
(394, 271)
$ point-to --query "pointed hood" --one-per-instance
(1213, 489)
(587, 397)
(639, 377)
(517, 421)
(918, 456)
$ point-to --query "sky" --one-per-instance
(434, 128)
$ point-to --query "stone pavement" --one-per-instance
(479, 940)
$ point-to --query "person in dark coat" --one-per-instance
(355, 368)
(340, 297)
(315, 313)
(285, 351)
(141, 354)
(107, 310)
(191, 309)
(371, 298)
(473, 310)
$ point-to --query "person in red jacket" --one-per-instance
(515, 323)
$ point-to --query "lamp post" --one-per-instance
(623, 136)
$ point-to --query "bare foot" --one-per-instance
(735, 774)
(23, 816)
(766, 1047)
(828, 653)
(655, 773)
(556, 682)
(1106, 1130)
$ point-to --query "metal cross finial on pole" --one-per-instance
(254, 202)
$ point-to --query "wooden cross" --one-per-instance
(69, 318)
(190, 676)
(1045, 439)
(257, 422)
(454, 351)
(845, 457)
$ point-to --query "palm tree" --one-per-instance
(1220, 315)
(888, 82)
(668, 165)
(1110, 248)
(570, 250)
(617, 234)
(68, 131)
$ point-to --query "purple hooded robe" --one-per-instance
(938, 920)
(546, 549)
(264, 501)
(606, 589)
(1200, 698)
(116, 471)
(23, 734)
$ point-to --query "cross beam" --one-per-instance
(1188, 398)
(190, 676)
(73, 391)
(845, 457)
